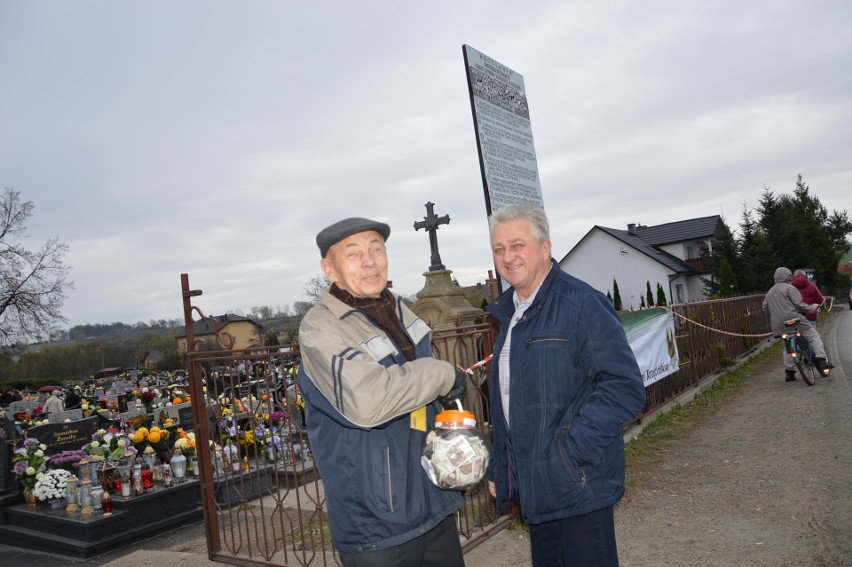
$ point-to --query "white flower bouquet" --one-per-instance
(51, 484)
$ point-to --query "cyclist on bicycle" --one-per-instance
(784, 303)
(810, 293)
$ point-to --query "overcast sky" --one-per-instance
(217, 138)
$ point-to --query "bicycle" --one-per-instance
(801, 352)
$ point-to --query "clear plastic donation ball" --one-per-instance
(455, 456)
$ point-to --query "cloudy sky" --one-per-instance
(217, 138)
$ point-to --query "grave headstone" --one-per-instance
(5, 464)
(185, 416)
(128, 415)
(60, 417)
(60, 437)
(22, 405)
(126, 401)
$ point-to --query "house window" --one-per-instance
(689, 252)
(679, 291)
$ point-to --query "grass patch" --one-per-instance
(649, 447)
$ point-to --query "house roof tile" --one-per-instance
(679, 231)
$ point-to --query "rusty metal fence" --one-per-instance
(263, 500)
(262, 497)
(708, 334)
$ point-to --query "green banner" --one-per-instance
(652, 337)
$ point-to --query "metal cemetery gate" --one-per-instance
(262, 496)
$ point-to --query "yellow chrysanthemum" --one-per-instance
(154, 437)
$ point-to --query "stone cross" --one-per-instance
(430, 223)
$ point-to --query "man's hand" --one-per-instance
(814, 307)
(457, 392)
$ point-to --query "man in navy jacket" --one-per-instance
(564, 380)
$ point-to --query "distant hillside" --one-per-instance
(286, 326)
(123, 331)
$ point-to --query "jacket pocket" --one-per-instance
(572, 470)
(550, 379)
(379, 493)
(563, 482)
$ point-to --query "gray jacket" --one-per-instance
(784, 302)
(360, 393)
(53, 405)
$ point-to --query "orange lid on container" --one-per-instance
(455, 418)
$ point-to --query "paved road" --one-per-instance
(839, 410)
(764, 481)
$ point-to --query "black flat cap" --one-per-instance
(331, 235)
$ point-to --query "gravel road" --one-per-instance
(767, 481)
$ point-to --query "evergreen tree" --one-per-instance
(649, 294)
(641, 302)
(757, 259)
(727, 279)
(802, 234)
(616, 300)
(609, 296)
(661, 296)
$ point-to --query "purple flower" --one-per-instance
(21, 468)
(66, 458)
(30, 441)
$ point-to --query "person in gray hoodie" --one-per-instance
(784, 303)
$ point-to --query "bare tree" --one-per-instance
(32, 282)
(261, 312)
(300, 308)
(314, 287)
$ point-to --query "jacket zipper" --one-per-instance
(545, 339)
(509, 472)
(390, 480)
(567, 457)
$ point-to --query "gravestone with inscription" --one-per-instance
(69, 436)
(185, 417)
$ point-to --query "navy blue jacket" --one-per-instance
(573, 383)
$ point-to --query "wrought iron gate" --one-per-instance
(262, 496)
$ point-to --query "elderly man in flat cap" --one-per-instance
(371, 391)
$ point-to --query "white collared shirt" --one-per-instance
(503, 362)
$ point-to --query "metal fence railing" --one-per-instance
(268, 506)
(708, 333)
